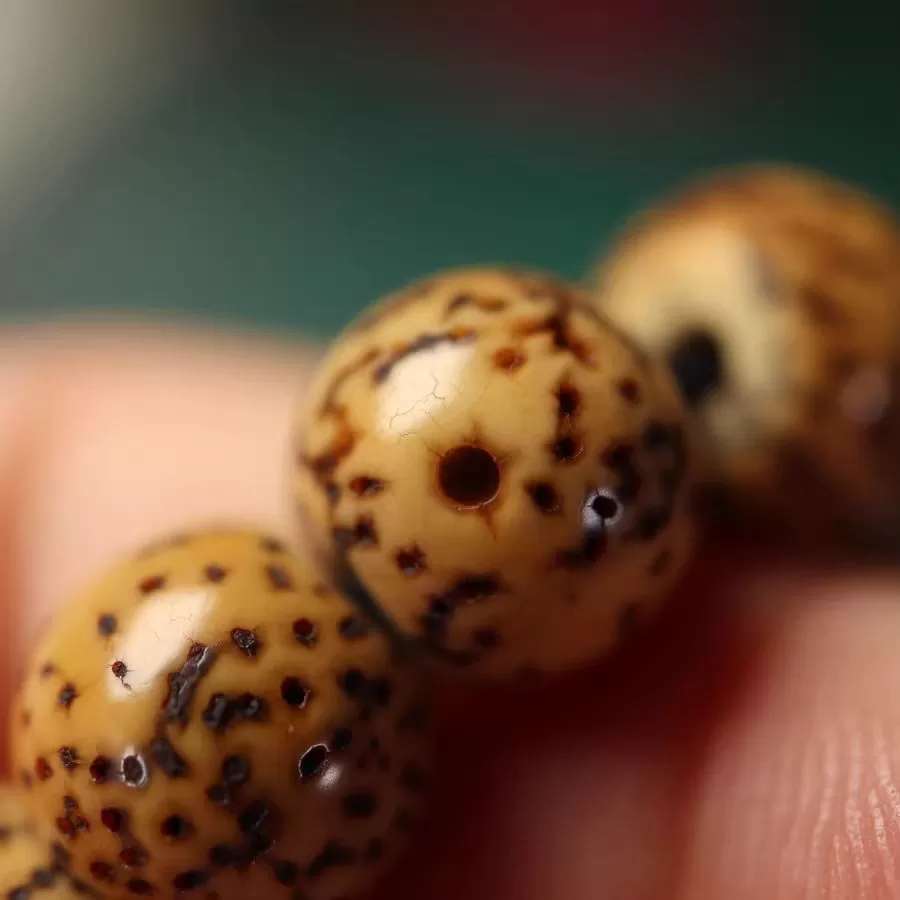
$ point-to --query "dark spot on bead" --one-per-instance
(486, 638)
(508, 359)
(191, 880)
(222, 856)
(331, 856)
(651, 523)
(697, 365)
(133, 857)
(543, 495)
(656, 436)
(279, 578)
(106, 625)
(183, 684)
(135, 772)
(176, 828)
(568, 400)
(352, 682)
(285, 872)
(259, 844)
(246, 641)
(139, 887)
(169, 760)
(485, 304)
(99, 770)
(47, 669)
(61, 857)
(415, 718)
(312, 762)
(219, 795)
(620, 459)
(341, 739)
(68, 694)
(362, 533)
(332, 493)
(119, 669)
(68, 756)
(821, 306)
(413, 778)
(25, 718)
(567, 448)
(352, 628)
(294, 692)
(660, 563)
(26, 779)
(235, 770)
(102, 871)
(379, 691)
(42, 769)
(152, 583)
(214, 573)
(469, 476)
(43, 878)
(364, 486)
(254, 817)
(305, 632)
(272, 545)
(113, 819)
(411, 562)
(23, 892)
(629, 390)
(359, 805)
(474, 588)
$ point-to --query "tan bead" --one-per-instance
(496, 472)
(210, 715)
(28, 870)
(775, 294)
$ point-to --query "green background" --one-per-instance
(299, 183)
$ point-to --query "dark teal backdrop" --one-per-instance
(303, 181)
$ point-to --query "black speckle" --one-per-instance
(169, 760)
(47, 669)
(352, 628)
(360, 805)
(106, 625)
(312, 762)
(567, 448)
(183, 684)
(412, 561)
(544, 496)
(272, 545)
(278, 577)
(305, 632)
(352, 682)
(294, 692)
(341, 739)
(331, 856)
(68, 694)
(191, 880)
(139, 887)
(218, 713)
(235, 770)
(68, 756)
(219, 795)
(215, 573)
(176, 828)
(568, 400)
(246, 641)
(362, 533)
(135, 772)
(254, 817)
(285, 872)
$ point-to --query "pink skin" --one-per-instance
(747, 746)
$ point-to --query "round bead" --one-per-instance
(211, 717)
(496, 473)
(774, 294)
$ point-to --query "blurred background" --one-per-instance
(280, 165)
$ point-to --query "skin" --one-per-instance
(746, 746)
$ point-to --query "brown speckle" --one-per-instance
(151, 584)
(139, 887)
(133, 857)
(215, 573)
(272, 545)
(191, 880)
(42, 769)
(544, 496)
(509, 359)
(469, 476)
(68, 694)
(366, 486)
(279, 580)
(629, 390)
(119, 669)
(102, 871)
(113, 819)
(412, 561)
(484, 303)
(47, 669)
(352, 628)
(362, 533)
(176, 828)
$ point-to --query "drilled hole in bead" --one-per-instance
(469, 476)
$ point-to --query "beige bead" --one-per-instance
(210, 715)
(775, 294)
(28, 870)
(496, 472)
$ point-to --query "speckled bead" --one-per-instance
(210, 717)
(28, 868)
(496, 473)
(775, 295)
